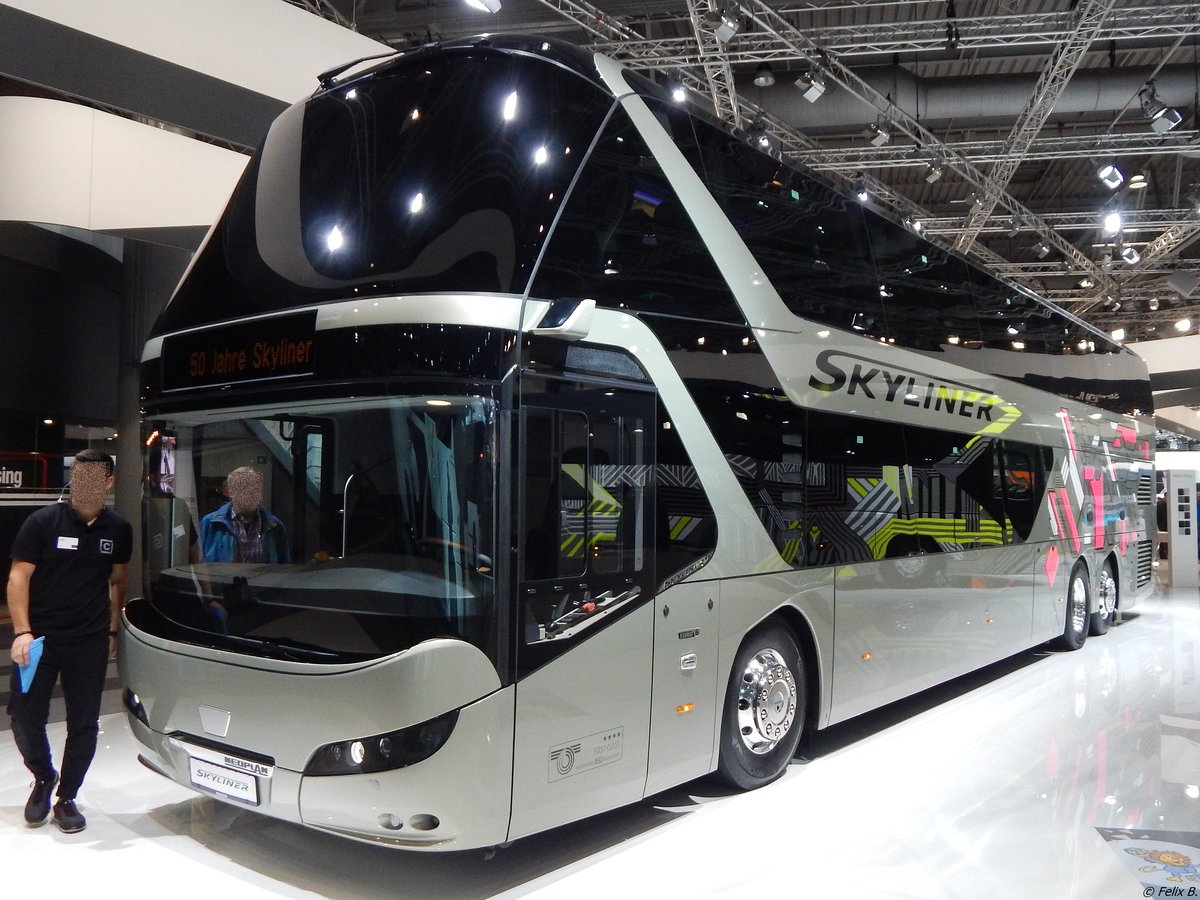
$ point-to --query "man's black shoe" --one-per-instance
(68, 819)
(37, 807)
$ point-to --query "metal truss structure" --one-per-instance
(881, 39)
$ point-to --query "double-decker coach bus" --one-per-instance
(607, 451)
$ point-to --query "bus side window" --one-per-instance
(556, 459)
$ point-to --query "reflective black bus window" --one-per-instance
(810, 239)
(854, 494)
(555, 496)
(431, 175)
(926, 293)
(625, 240)
(685, 525)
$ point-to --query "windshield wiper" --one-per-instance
(282, 648)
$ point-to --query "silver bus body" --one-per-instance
(519, 716)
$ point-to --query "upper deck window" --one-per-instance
(441, 173)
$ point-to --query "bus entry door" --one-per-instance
(584, 637)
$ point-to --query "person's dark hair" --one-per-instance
(92, 455)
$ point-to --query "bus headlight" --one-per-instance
(133, 703)
(382, 752)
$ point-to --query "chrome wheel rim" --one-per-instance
(1078, 604)
(1107, 595)
(766, 702)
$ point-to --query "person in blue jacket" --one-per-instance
(243, 530)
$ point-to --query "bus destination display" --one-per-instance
(278, 347)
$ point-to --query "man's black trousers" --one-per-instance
(82, 664)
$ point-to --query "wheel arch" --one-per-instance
(797, 623)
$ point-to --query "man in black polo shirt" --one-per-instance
(67, 584)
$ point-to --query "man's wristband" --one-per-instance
(21, 633)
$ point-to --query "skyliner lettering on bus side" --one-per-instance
(936, 395)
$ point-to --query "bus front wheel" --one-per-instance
(764, 709)
(1075, 629)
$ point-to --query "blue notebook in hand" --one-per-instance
(27, 671)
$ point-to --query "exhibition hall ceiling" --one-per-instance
(986, 121)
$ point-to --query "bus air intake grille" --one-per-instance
(1145, 490)
(1145, 562)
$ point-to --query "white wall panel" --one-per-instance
(69, 165)
(264, 45)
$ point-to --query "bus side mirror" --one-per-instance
(567, 318)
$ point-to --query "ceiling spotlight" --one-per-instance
(1110, 175)
(678, 93)
(491, 6)
(877, 135)
(861, 194)
(1183, 324)
(974, 202)
(1138, 182)
(1130, 255)
(1086, 282)
(1014, 227)
(936, 169)
(727, 24)
(1153, 304)
(1041, 249)
(764, 75)
(1118, 334)
(812, 85)
(1112, 223)
(1161, 117)
(913, 223)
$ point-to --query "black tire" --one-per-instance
(765, 707)
(1107, 596)
(1079, 591)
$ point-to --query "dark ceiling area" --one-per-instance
(985, 121)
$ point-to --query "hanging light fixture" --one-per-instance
(812, 85)
(764, 75)
(727, 23)
(861, 194)
(936, 169)
(877, 134)
(489, 6)
(1161, 117)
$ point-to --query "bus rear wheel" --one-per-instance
(765, 706)
(1106, 601)
(1075, 630)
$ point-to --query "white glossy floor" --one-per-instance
(1052, 775)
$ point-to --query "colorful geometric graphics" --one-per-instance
(1051, 565)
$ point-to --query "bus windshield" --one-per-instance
(331, 532)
